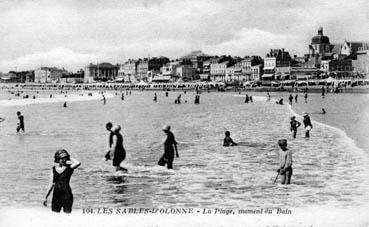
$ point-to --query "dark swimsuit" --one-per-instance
(120, 153)
(62, 196)
(21, 123)
(168, 156)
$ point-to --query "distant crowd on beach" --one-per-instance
(64, 165)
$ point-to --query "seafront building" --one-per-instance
(361, 64)
(256, 72)
(127, 71)
(196, 59)
(151, 65)
(48, 74)
(74, 78)
(100, 72)
(246, 67)
(17, 77)
(186, 72)
(277, 64)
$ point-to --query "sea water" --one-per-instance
(330, 170)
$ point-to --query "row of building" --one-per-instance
(43, 75)
(348, 59)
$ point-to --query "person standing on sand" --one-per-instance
(296, 98)
(307, 124)
(306, 97)
(61, 174)
(285, 162)
(170, 146)
(293, 126)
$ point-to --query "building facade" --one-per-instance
(353, 48)
(186, 72)
(247, 63)
(128, 68)
(361, 64)
(256, 72)
(196, 59)
(170, 69)
(151, 65)
(218, 69)
(277, 62)
(48, 74)
(338, 67)
(100, 72)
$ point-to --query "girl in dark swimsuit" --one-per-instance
(61, 174)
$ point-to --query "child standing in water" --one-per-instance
(293, 126)
(285, 162)
(61, 174)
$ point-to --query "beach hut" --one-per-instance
(142, 83)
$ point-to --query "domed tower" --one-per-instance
(319, 44)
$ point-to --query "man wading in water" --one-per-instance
(170, 145)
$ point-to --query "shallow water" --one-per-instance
(329, 169)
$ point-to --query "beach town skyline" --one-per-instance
(72, 34)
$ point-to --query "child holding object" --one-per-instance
(61, 174)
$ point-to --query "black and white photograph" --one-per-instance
(163, 113)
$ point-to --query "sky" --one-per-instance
(74, 33)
